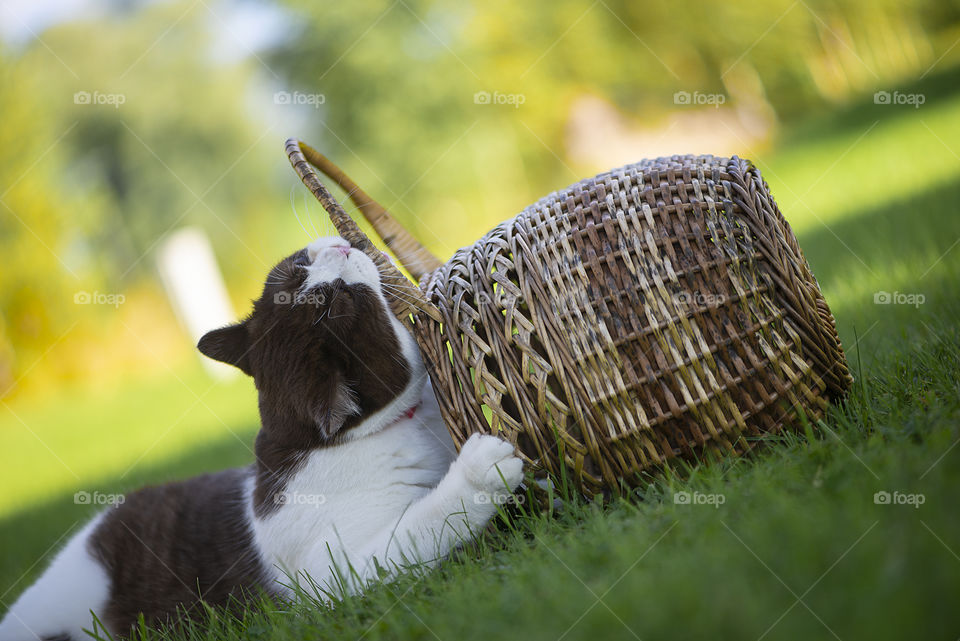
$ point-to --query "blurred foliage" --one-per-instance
(92, 187)
(88, 191)
(400, 80)
(30, 221)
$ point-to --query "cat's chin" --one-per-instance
(402, 408)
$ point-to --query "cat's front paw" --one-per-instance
(490, 465)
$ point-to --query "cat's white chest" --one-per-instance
(342, 497)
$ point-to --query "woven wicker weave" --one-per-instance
(659, 310)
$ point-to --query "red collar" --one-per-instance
(406, 415)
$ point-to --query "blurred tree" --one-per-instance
(400, 80)
(116, 132)
(38, 276)
(120, 128)
(164, 143)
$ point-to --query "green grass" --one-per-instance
(798, 521)
(798, 549)
(88, 437)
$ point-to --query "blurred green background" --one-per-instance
(124, 121)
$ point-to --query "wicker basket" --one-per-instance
(659, 310)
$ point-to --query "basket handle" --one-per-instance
(417, 259)
(406, 297)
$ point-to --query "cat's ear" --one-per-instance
(229, 345)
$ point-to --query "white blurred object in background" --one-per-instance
(195, 286)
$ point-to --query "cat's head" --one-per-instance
(322, 345)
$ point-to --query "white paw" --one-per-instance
(489, 464)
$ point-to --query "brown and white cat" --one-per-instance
(354, 470)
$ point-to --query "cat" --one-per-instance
(355, 472)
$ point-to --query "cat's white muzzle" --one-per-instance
(333, 258)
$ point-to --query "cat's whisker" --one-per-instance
(336, 291)
(309, 217)
(293, 205)
(397, 293)
(397, 289)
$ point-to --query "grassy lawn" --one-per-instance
(798, 549)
